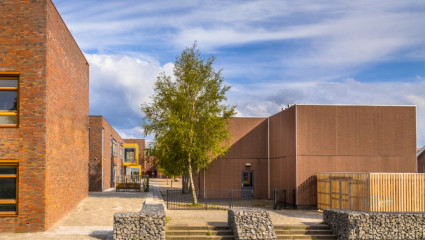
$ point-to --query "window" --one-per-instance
(114, 147)
(130, 155)
(8, 100)
(8, 188)
(135, 172)
(114, 174)
(122, 153)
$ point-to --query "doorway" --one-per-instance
(247, 183)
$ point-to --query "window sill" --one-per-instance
(8, 215)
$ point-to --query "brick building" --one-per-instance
(139, 164)
(106, 154)
(288, 149)
(44, 107)
(111, 156)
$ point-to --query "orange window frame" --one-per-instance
(10, 76)
(13, 163)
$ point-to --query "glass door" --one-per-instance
(247, 183)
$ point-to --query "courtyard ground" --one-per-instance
(93, 217)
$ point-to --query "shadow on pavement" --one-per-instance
(113, 194)
(103, 235)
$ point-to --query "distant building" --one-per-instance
(112, 157)
(134, 165)
(44, 108)
(106, 154)
(288, 149)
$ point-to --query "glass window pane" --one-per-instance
(8, 83)
(130, 155)
(247, 179)
(8, 101)
(7, 170)
(7, 188)
(7, 207)
(8, 120)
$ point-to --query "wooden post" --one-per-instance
(349, 193)
(330, 192)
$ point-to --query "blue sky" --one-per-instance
(273, 53)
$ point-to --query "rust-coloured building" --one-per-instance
(44, 107)
(288, 149)
(421, 160)
(106, 154)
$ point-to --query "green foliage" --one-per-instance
(187, 116)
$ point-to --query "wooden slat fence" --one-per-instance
(378, 192)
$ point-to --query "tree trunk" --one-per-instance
(192, 186)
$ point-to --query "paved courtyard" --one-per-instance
(93, 217)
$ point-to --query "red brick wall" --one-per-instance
(51, 139)
(95, 153)
(97, 123)
(108, 159)
(23, 49)
(67, 120)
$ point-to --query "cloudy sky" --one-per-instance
(273, 53)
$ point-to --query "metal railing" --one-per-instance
(129, 179)
(210, 199)
(284, 198)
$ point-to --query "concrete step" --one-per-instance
(199, 232)
(199, 227)
(177, 232)
(314, 231)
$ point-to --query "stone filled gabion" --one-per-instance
(147, 224)
(348, 224)
(250, 224)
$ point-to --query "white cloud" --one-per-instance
(317, 43)
(131, 79)
(135, 132)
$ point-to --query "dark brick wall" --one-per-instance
(95, 153)
(67, 120)
(96, 125)
(24, 44)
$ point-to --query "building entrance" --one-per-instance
(247, 183)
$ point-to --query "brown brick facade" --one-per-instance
(308, 139)
(51, 140)
(97, 124)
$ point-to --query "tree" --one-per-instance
(187, 116)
